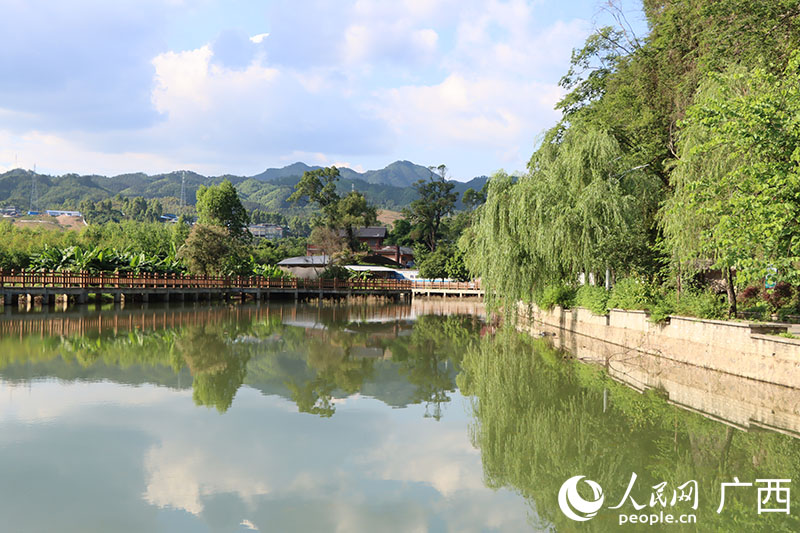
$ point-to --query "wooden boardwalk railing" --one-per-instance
(117, 281)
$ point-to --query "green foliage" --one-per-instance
(436, 201)
(701, 304)
(147, 237)
(630, 293)
(456, 267)
(434, 264)
(336, 272)
(259, 216)
(353, 211)
(219, 205)
(98, 259)
(400, 233)
(209, 250)
(445, 262)
(348, 212)
(556, 295)
(738, 179)
(580, 209)
(701, 117)
(593, 298)
(270, 271)
(472, 198)
(274, 251)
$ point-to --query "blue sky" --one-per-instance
(236, 86)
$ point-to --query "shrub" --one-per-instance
(661, 310)
(630, 293)
(703, 304)
(335, 272)
(593, 298)
(778, 296)
(749, 293)
(270, 271)
(561, 295)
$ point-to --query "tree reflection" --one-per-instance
(540, 419)
(430, 358)
(218, 367)
(313, 365)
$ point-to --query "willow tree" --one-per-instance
(737, 182)
(581, 208)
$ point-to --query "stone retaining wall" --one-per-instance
(738, 348)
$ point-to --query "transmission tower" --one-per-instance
(183, 190)
(34, 192)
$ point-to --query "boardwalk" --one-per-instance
(48, 286)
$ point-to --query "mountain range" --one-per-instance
(389, 188)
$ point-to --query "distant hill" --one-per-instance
(387, 188)
(397, 174)
(295, 169)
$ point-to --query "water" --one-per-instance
(373, 417)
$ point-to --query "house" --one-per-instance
(372, 236)
(55, 213)
(266, 231)
(399, 254)
(305, 266)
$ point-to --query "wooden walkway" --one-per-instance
(48, 286)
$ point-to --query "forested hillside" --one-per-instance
(678, 153)
(389, 188)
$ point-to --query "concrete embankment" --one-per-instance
(749, 350)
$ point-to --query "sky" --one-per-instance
(238, 86)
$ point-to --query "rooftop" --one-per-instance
(306, 261)
(372, 232)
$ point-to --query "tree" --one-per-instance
(210, 250)
(348, 212)
(353, 211)
(400, 233)
(219, 205)
(737, 182)
(319, 187)
(436, 200)
(472, 198)
(578, 210)
(327, 240)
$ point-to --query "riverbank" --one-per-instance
(749, 350)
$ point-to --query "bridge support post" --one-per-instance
(145, 297)
(82, 297)
(117, 297)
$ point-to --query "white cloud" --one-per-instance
(499, 116)
(368, 81)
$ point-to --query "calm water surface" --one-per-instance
(366, 418)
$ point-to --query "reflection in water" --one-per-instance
(540, 419)
(150, 461)
(313, 355)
